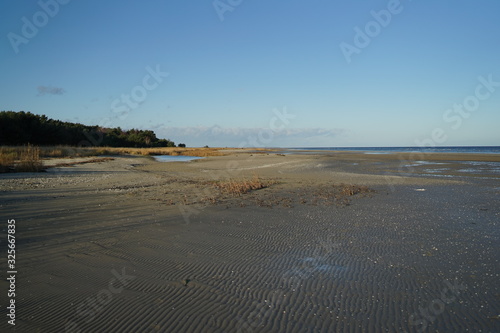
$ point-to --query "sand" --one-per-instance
(135, 245)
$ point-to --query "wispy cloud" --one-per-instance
(249, 137)
(43, 90)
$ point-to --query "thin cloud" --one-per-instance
(44, 90)
(248, 137)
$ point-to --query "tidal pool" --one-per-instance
(178, 158)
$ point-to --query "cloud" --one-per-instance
(43, 90)
(217, 136)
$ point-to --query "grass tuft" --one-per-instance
(242, 186)
(7, 159)
(29, 160)
(350, 190)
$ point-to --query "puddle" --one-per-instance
(419, 163)
(437, 170)
(179, 158)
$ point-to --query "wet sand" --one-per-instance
(135, 245)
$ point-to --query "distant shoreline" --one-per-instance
(411, 149)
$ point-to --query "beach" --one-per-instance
(332, 242)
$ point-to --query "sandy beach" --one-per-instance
(135, 245)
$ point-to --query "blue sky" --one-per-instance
(234, 66)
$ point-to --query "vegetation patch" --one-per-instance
(245, 192)
(94, 160)
(339, 194)
(242, 186)
(350, 190)
(25, 159)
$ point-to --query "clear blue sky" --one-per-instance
(231, 71)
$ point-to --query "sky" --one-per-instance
(260, 73)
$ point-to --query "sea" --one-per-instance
(488, 170)
(388, 150)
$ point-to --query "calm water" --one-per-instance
(487, 170)
(180, 158)
(388, 150)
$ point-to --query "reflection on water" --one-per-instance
(179, 158)
(453, 169)
(437, 170)
(418, 163)
(463, 169)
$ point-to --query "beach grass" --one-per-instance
(29, 158)
(7, 159)
(350, 190)
(21, 159)
(238, 187)
(68, 151)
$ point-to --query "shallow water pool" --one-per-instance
(179, 158)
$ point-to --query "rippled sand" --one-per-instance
(134, 245)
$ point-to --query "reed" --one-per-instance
(242, 186)
(21, 159)
(29, 158)
(7, 159)
(350, 190)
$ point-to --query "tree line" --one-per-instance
(19, 128)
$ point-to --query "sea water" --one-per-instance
(388, 150)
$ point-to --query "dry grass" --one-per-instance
(30, 160)
(53, 152)
(66, 151)
(173, 151)
(7, 159)
(242, 186)
(20, 159)
(70, 152)
(340, 194)
(350, 190)
(94, 160)
(232, 193)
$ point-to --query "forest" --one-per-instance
(20, 128)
